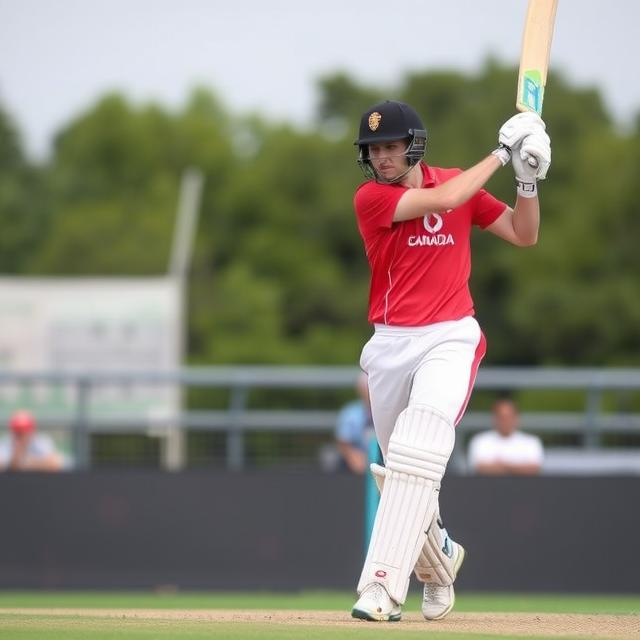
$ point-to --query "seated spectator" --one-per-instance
(504, 450)
(26, 450)
(354, 427)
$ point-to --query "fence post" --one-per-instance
(81, 434)
(235, 435)
(592, 436)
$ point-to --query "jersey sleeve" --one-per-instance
(487, 209)
(375, 205)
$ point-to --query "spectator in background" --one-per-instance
(26, 450)
(353, 429)
(504, 450)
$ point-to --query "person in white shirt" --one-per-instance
(504, 450)
(25, 450)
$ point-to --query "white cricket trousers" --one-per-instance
(435, 365)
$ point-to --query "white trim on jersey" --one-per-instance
(386, 296)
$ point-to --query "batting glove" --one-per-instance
(531, 162)
(502, 153)
(518, 127)
(538, 147)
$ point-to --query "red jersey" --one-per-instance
(420, 268)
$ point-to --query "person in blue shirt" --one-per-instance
(354, 427)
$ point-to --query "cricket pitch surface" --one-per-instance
(553, 625)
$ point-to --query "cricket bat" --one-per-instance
(534, 58)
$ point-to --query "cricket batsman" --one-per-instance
(415, 221)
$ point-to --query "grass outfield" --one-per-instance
(269, 616)
(312, 600)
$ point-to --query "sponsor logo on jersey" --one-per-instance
(433, 223)
(437, 222)
(440, 240)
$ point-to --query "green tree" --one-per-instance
(21, 201)
(114, 181)
(279, 273)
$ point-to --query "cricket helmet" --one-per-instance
(22, 422)
(388, 121)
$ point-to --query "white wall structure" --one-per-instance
(92, 325)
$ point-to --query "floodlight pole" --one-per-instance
(186, 222)
(173, 455)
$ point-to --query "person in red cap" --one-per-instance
(26, 450)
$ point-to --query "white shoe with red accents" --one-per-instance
(376, 605)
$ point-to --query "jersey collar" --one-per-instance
(428, 176)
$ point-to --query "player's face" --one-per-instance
(22, 438)
(505, 416)
(388, 158)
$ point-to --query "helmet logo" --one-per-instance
(374, 120)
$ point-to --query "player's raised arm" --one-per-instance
(415, 203)
(531, 161)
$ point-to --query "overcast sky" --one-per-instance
(57, 56)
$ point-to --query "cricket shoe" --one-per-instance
(438, 600)
(375, 604)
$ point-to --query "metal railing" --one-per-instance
(237, 419)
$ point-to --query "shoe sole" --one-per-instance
(366, 615)
(456, 568)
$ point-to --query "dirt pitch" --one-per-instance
(553, 625)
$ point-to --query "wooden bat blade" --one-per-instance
(534, 58)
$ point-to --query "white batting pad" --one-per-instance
(378, 472)
(436, 562)
(419, 449)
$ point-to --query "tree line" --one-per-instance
(279, 273)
